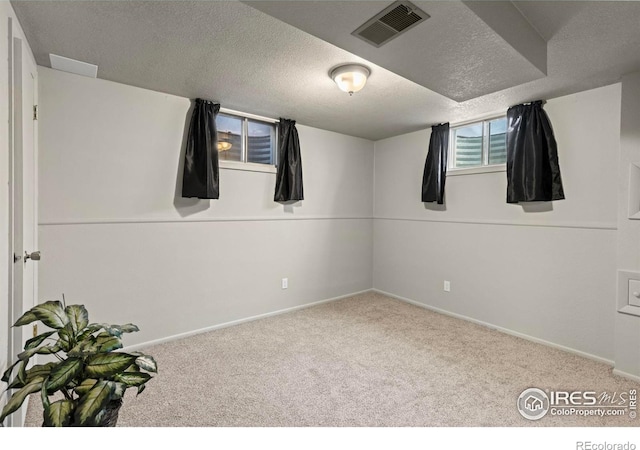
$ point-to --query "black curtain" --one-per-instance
(435, 168)
(289, 177)
(533, 173)
(200, 178)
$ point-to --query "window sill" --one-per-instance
(250, 167)
(476, 170)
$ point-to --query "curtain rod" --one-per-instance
(544, 102)
(488, 116)
(250, 116)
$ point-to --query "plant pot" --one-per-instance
(110, 416)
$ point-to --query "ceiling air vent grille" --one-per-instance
(377, 32)
(390, 23)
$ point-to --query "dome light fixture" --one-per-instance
(350, 77)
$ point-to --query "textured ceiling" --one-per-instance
(250, 61)
(454, 52)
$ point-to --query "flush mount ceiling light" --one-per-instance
(350, 77)
(224, 146)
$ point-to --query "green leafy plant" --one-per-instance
(89, 373)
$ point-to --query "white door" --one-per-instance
(23, 200)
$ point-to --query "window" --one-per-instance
(478, 144)
(261, 142)
(244, 141)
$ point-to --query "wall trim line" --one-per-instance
(123, 221)
(120, 221)
(500, 329)
(239, 321)
(626, 375)
(585, 225)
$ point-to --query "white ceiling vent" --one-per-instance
(395, 19)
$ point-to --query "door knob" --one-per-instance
(34, 256)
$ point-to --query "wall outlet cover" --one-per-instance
(628, 283)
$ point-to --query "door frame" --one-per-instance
(19, 56)
(10, 255)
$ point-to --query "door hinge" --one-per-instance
(35, 112)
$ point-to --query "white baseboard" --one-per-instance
(627, 375)
(238, 322)
(501, 329)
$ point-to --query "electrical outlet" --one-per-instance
(447, 286)
(285, 283)
(35, 330)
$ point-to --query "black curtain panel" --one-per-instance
(200, 178)
(435, 168)
(533, 173)
(289, 177)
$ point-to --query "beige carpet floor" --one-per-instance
(368, 360)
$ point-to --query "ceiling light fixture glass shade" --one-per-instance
(224, 146)
(350, 77)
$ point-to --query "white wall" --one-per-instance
(115, 237)
(628, 326)
(547, 273)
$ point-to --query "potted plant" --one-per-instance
(88, 376)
